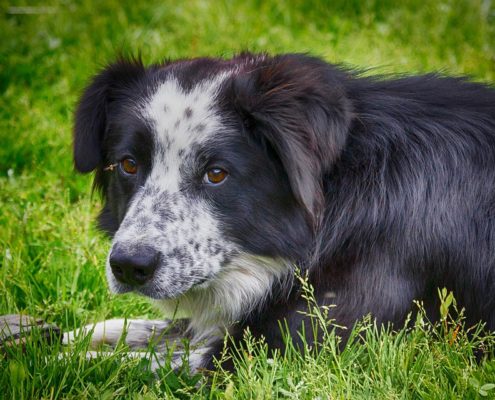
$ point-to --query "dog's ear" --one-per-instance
(297, 103)
(91, 113)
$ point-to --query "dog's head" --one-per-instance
(211, 170)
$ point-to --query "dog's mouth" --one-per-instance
(158, 288)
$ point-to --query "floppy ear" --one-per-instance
(298, 104)
(91, 113)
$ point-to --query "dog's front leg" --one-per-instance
(137, 334)
(195, 358)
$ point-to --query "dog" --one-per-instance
(222, 178)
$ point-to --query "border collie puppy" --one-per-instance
(221, 177)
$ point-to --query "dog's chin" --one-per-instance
(155, 291)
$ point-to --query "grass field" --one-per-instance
(52, 259)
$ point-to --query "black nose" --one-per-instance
(134, 269)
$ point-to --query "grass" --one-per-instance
(51, 258)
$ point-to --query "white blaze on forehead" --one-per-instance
(179, 119)
(170, 103)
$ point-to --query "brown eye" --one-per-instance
(129, 166)
(215, 176)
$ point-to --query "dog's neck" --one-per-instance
(242, 287)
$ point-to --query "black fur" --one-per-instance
(382, 188)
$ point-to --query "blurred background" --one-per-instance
(51, 257)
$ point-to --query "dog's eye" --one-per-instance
(215, 176)
(129, 166)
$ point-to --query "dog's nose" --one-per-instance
(134, 269)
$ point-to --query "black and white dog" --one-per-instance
(220, 177)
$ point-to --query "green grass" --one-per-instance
(51, 258)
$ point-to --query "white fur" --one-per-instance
(239, 288)
(139, 334)
(175, 132)
(195, 358)
(109, 332)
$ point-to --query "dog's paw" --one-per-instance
(17, 329)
